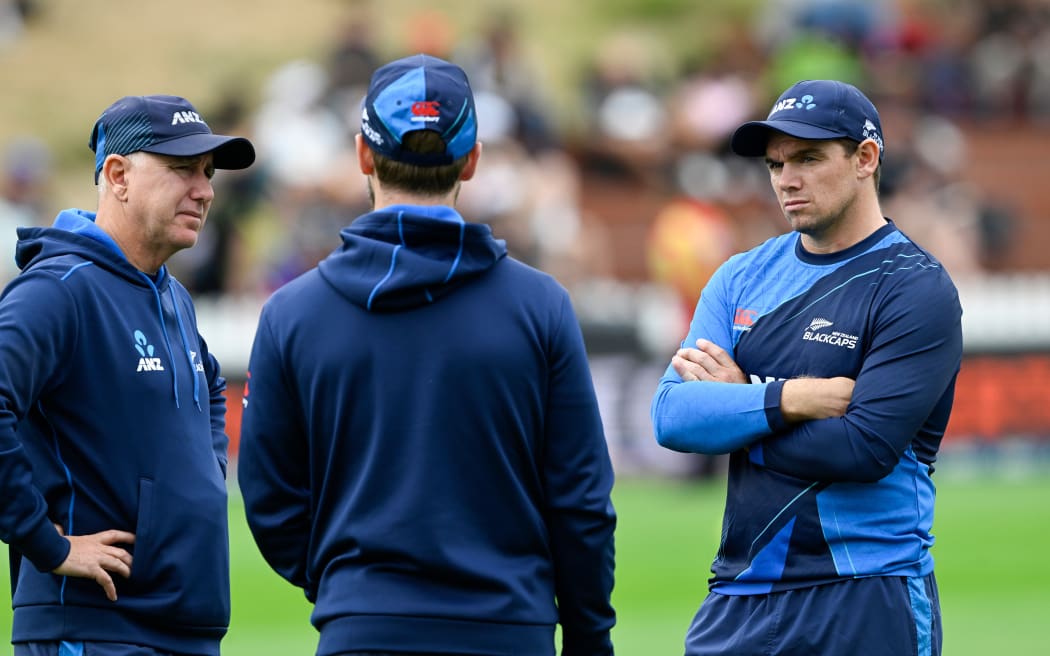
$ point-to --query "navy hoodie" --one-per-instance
(421, 447)
(112, 416)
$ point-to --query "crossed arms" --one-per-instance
(801, 399)
(832, 429)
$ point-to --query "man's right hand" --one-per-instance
(95, 556)
(802, 399)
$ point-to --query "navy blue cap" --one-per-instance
(813, 109)
(165, 125)
(419, 93)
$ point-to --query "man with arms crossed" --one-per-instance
(824, 362)
(112, 410)
(421, 449)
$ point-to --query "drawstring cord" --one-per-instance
(167, 342)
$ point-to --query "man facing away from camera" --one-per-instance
(112, 410)
(421, 447)
(824, 361)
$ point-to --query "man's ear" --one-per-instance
(472, 162)
(868, 157)
(115, 171)
(364, 156)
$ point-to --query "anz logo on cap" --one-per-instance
(186, 117)
(805, 102)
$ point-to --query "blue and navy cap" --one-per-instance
(419, 93)
(813, 109)
(165, 125)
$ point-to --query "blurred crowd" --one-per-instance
(645, 187)
(634, 204)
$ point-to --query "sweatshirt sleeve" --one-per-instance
(36, 332)
(904, 388)
(578, 479)
(273, 467)
(705, 416)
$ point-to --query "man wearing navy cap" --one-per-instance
(112, 410)
(421, 449)
(824, 362)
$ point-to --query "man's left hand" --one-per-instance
(708, 361)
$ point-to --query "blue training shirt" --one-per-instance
(824, 500)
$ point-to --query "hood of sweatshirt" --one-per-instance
(405, 256)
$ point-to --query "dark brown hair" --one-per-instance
(419, 180)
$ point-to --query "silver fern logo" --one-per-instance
(833, 337)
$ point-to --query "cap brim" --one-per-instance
(229, 152)
(750, 139)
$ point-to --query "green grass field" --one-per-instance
(992, 533)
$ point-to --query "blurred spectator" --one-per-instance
(812, 56)
(530, 199)
(430, 32)
(496, 64)
(503, 191)
(922, 184)
(890, 57)
(24, 183)
(1010, 59)
(14, 14)
(946, 76)
(350, 63)
(688, 240)
(926, 200)
(859, 24)
(305, 148)
(297, 135)
(624, 101)
(708, 102)
(854, 23)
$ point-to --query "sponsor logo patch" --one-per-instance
(186, 117)
(816, 332)
(426, 111)
(744, 319)
(147, 361)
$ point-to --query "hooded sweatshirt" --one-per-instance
(112, 416)
(421, 449)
